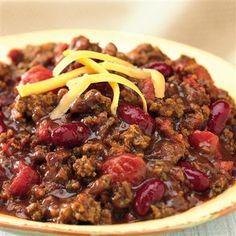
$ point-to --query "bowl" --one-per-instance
(224, 75)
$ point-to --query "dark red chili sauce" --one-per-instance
(91, 167)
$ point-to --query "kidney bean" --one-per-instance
(220, 111)
(199, 181)
(161, 66)
(44, 131)
(2, 174)
(16, 55)
(3, 127)
(70, 135)
(135, 115)
(149, 192)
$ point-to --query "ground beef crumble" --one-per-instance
(103, 178)
(35, 106)
(85, 167)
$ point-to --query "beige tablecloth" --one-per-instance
(209, 25)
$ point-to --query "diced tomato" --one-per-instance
(181, 63)
(147, 88)
(6, 147)
(36, 74)
(59, 50)
(24, 181)
(226, 165)
(199, 139)
(126, 167)
(202, 73)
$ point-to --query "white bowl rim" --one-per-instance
(214, 208)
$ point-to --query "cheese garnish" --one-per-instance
(130, 71)
(79, 85)
(52, 83)
(68, 99)
(61, 80)
(72, 56)
(103, 77)
(158, 81)
(78, 80)
(115, 87)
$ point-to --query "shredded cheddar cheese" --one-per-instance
(68, 99)
(158, 81)
(72, 56)
(52, 83)
(104, 77)
(131, 72)
(78, 80)
(115, 87)
(79, 85)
